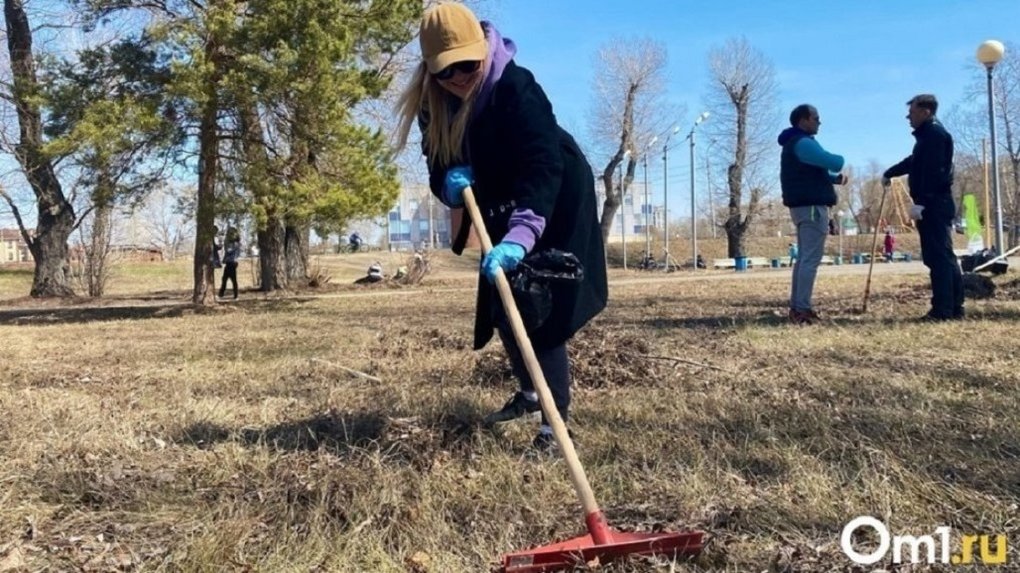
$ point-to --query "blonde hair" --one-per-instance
(444, 135)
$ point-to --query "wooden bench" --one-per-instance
(827, 260)
(880, 257)
(732, 263)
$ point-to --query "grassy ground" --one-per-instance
(162, 438)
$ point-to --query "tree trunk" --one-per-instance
(614, 193)
(208, 164)
(97, 256)
(296, 249)
(56, 217)
(272, 264)
(736, 223)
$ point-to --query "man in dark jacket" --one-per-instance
(930, 177)
(807, 174)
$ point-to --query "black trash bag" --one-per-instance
(969, 262)
(531, 283)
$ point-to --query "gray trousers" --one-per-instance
(812, 227)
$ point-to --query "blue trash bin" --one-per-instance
(837, 260)
(741, 263)
(775, 263)
(858, 259)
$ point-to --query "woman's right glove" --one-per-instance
(506, 256)
(457, 179)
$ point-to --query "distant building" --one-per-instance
(634, 215)
(416, 214)
(13, 248)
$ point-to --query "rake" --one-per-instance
(874, 244)
(602, 543)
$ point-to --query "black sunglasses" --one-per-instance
(465, 67)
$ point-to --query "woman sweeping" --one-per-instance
(486, 123)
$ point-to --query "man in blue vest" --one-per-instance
(807, 174)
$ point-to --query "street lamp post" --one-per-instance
(694, 215)
(646, 209)
(840, 215)
(990, 53)
(665, 197)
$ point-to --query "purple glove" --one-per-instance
(457, 179)
(505, 255)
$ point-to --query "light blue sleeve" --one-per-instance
(809, 151)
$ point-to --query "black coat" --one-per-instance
(930, 170)
(521, 158)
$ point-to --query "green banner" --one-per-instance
(972, 222)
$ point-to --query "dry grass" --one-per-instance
(165, 439)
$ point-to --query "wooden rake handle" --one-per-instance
(874, 243)
(581, 485)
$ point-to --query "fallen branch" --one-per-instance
(685, 361)
(350, 371)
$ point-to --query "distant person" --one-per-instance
(930, 178)
(888, 246)
(355, 241)
(807, 174)
(231, 253)
(486, 123)
(792, 253)
(374, 274)
(699, 262)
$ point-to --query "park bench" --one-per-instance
(732, 263)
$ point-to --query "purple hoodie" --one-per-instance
(524, 226)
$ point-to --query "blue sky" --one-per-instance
(858, 62)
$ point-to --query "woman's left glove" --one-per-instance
(505, 255)
(457, 179)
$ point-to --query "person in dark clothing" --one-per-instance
(355, 241)
(486, 123)
(231, 252)
(807, 174)
(929, 170)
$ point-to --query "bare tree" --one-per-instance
(168, 216)
(56, 217)
(628, 105)
(742, 99)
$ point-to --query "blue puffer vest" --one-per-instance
(803, 185)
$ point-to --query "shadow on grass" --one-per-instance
(82, 314)
(412, 439)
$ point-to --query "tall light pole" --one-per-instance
(646, 210)
(989, 53)
(665, 197)
(840, 215)
(432, 232)
(694, 214)
(623, 207)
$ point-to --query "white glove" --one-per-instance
(915, 212)
(886, 182)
